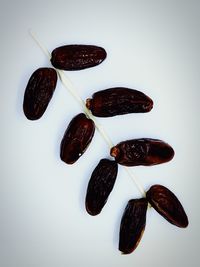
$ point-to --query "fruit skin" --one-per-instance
(77, 138)
(167, 205)
(133, 224)
(77, 56)
(144, 151)
(118, 101)
(100, 185)
(38, 92)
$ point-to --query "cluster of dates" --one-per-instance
(79, 133)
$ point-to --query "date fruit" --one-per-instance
(118, 101)
(133, 224)
(168, 205)
(144, 151)
(100, 186)
(77, 138)
(38, 93)
(77, 57)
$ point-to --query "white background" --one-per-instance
(152, 46)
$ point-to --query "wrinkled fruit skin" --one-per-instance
(77, 138)
(118, 101)
(38, 93)
(132, 225)
(144, 151)
(77, 57)
(100, 185)
(168, 205)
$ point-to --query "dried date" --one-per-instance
(100, 185)
(77, 138)
(144, 151)
(133, 224)
(118, 101)
(38, 93)
(168, 205)
(77, 57)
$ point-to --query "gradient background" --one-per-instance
(152, 46)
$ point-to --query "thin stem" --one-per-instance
(68, 85)
(132, 176)
(44, 49)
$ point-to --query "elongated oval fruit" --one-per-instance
(100, 185)
(133, 224)
(77, 57)
(144, 151)
(77, 138)
(118, 101)
(168, 205)
(38, 93)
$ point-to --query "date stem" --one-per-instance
(68, 85)
(133, 177)
(44, 49)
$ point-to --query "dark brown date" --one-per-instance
(77, 57)
(77, 138)
(144, 151)
(38, 93)
(118, 101)
(132, 225)
(100, 185)
(168, 205)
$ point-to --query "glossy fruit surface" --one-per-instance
(77, 138)
(38, 93)
(144, 151)
(77, 57)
